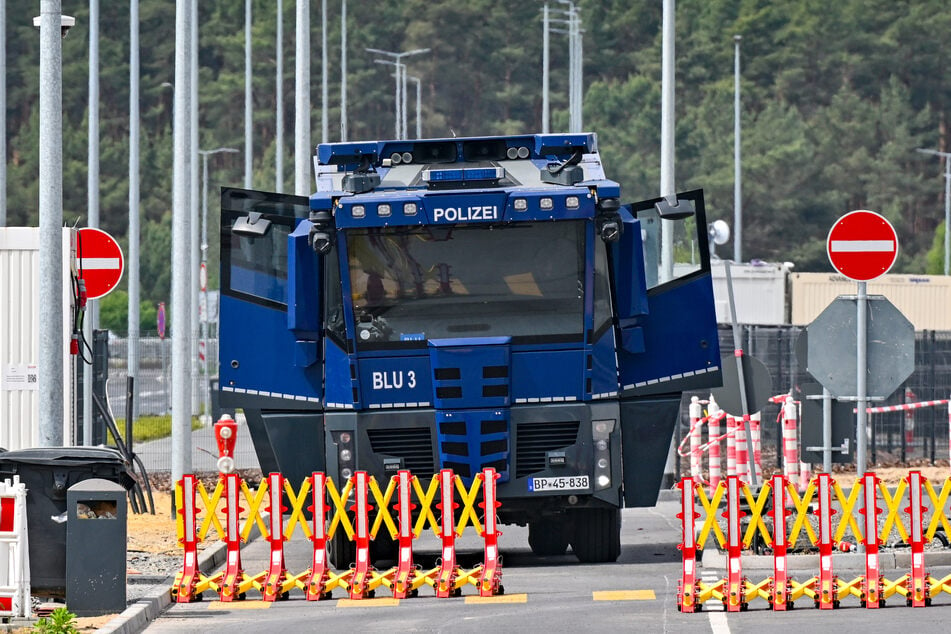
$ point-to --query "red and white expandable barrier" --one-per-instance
(14, 551)
(696, 417)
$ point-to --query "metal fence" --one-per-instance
(895, 437)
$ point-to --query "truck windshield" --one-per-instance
(524, 281)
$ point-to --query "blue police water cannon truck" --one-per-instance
(467, 303)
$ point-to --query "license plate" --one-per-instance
(564, 483)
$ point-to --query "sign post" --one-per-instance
(862, 245)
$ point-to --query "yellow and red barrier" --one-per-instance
(855, 514)
(362, 521)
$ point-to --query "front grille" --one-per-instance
(414, 446)
(534, 440)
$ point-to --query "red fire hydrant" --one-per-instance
(226, 432)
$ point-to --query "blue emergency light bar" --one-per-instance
(468, 174)
(541, 147)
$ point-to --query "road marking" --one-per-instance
(718, 623)
(239, 605)
(502, 598)
(382, 602)
(624, 595)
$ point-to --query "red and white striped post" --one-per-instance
(779, 513)
(187, 579)
(687, 594)
(826, 585)
(361, 535)
(918, 592)
(756, 442)
(736, 587)
(491, 580)
(873, 582)
(319, 573)
(742, 450)
(447, 571)
(730, 446)
(233, 573)
(696, 416)
(405, 571)
(790, 446)
(713, 432)
(277, 571)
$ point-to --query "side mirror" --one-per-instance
(252, 226)
(672, 209)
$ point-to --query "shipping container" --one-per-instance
(924, 299)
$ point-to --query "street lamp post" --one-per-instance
(947, 203)
(419, 102)
(204, 258)
(737, 171)
(400, 83)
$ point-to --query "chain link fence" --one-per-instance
(896, 437)
(904, 437)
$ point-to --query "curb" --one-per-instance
(135, 618)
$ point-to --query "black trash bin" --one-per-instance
(47, 473)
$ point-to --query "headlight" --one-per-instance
(572, 202)
(358, 211)
(546, 203)
(383, 210)
(409, 209)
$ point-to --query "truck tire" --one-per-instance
(341, 552)
(549, 536)
(596, 538)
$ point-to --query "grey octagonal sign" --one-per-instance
(831, 343)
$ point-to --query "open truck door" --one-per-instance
(668, 340)
(270, 318)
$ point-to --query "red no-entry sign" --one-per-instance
(100, 261)
(862, 245)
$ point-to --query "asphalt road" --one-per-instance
(548, 594)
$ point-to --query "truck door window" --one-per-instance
(686, 256)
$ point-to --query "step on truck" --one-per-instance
(467, 303)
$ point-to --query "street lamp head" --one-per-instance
(737, 38)
(66, 23)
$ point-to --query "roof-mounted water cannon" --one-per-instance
(226, 434)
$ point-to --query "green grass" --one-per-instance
(147, 428)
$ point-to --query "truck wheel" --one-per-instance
(596, 536)
(341, 551)
(549, 536)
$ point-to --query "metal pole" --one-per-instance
(324, 101)
(419, 110)
(545, 64)
(579, 72)
(248, 106)
(737, 172)
(194, 255)
(51, 222)
(302, 148)
(826, 431)
(667, 187)
(403, 102)
(3, 113)
(132, 344)
(181, 419)
(91, 323)
(947, 213)
(279, 110)
(399, 100)
(861, 436)
(343, 70)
